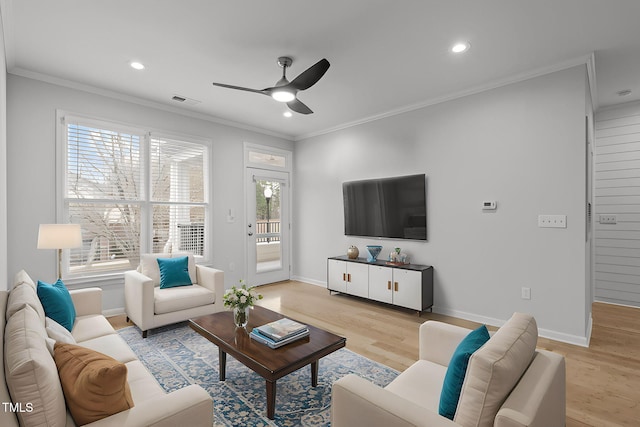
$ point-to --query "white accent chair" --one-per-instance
(150, 307)
(508, 383)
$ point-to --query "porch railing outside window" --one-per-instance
(272, 227)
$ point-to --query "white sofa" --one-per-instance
(508, 383)
(30, 389)
(149, 306)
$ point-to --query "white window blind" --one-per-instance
(178, 187)
(105, 173)
(103, 164)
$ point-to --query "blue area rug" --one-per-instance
(177, 356)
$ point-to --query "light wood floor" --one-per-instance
(603, 381)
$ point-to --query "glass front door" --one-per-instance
(267, 226)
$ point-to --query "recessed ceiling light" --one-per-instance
(287, 114)
(460, 47)
(137, 65)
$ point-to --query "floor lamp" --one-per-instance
(59, 236)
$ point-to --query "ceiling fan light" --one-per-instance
(460, 47)
(283, 96)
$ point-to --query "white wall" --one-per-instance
(31, 147)
(617, 191)
(522, 145)
(3, 164)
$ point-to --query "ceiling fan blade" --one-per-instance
(297, 106)
(241, 88)
(311, 75)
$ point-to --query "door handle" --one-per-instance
(349, 277)
(250, 233)
(389, 285)
(395, 286)
(344, 277)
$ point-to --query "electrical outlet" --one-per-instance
(607, 219)
(526, 293)
(552, 221)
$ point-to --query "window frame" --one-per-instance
(267, 150)
(146, 203)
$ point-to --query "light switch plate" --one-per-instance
(552, 221)
(231, 217)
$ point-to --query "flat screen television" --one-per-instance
(394, 208)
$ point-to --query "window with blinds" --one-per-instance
(178, 191)
(132, 192)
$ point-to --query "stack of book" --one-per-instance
(280, 332)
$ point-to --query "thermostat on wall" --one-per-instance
(489, 205)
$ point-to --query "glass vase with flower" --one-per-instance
(241, 298)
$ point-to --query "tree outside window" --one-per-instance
(105, 193)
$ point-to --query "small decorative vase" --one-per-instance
(374, 251)
(353, 252)
(241, 316)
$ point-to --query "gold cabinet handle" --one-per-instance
(349, 277)
(389, 284)
(344, 277)
(395, 286)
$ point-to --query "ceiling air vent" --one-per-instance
(185, 100)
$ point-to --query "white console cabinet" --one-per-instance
(395, 286)
(409, 286)
(349, 278)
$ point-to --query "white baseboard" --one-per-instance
(491, 321)
(310, 281)
(545, 333)
(589, 329)
(567, 338)
(631, 304)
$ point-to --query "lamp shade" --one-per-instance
(59, 236)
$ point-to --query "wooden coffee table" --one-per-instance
(270, 364)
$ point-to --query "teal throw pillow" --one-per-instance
(57, 303)
(174, 272)
(453, 379)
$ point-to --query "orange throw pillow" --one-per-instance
(94, 384)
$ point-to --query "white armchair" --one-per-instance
(149, 306)
(508, 383)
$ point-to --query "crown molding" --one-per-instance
(620, 106)
(587, 60)
(140, 101)
(538, 72)
(6, 26)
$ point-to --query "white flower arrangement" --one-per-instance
(241, 297)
